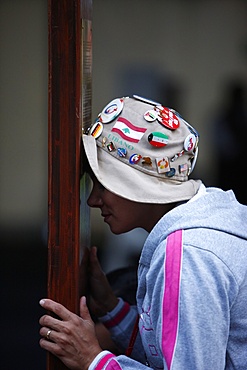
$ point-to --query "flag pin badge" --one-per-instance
(158, 139)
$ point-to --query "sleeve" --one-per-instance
(108, 361)
(120, 322)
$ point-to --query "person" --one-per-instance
(192, 274)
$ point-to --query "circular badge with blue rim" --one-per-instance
(111, 110)
(135, 158)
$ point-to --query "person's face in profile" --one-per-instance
(122, 215)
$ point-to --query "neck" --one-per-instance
(155, 213)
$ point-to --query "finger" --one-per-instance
(51, 322)
(56, 308)
(84, 312)
(85, 257)
(94, 263)
(93, 255)
(50, 346)
(48, 334)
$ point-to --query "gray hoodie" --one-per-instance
(192, 291)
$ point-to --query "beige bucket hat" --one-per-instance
(143, 151)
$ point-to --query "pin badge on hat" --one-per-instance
(171, 173)
(122, 152)
(163, 164)
(147, 161)
(111, 147)
(167, 118)
(134, 158)
(177, 155)
(158, 139)
(151, 115)
(96, 129)
(189, 143)
(111, 110)
(183, 167)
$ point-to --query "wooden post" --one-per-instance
(70, 51)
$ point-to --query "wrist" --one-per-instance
(110, 304)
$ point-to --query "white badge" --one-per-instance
(111, 110)
(189, 143)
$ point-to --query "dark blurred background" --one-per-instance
(190, 55)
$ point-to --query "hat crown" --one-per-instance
(148, 137)
(143, 151)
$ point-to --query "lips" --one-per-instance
(106, 216)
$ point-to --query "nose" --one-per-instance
(95, 199)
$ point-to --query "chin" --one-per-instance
(119, 230)
(116, 231)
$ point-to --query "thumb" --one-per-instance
(84, 312)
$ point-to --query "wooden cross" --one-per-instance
(70, 94)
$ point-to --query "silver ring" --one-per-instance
(48, 335)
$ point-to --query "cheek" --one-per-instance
(123, 222)
(125, 215)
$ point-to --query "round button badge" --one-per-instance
(151, 115)
(111, 110)
(171, 173)
(135, 158)
(158, 139)
(96, 129)
(189, 143)
(167, 118)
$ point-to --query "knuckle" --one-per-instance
(57, 309)
(63, 341)
(46, 320)
(41, 320)
(41, 332)
(59, 351)
(69, 328)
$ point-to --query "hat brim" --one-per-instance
(121, 179)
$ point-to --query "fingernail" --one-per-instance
(84, 301)
(42, 302)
